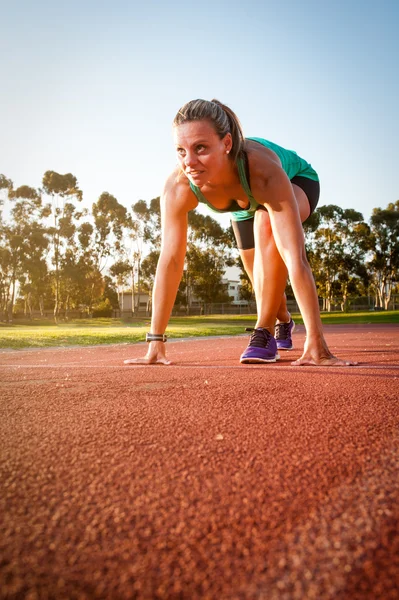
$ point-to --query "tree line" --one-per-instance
(57, 256)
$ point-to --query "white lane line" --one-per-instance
(198, 366)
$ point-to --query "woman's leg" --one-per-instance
(247, 257)
(269, 270)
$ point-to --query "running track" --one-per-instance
(205, 479)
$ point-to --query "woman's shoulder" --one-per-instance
(264, 166)
(263, 161)
(177, 190)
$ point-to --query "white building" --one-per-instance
(141, 304)
(233, 287)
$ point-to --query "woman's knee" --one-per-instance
(262, 223)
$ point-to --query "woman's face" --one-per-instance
(202, 155)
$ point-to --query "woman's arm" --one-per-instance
(275, 191)
(176, 201)
(171, 261)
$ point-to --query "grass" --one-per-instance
(87, 332)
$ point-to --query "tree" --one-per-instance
(6, 186)
(384, 264)
(26, 241)
(146, 231)
(120, 272)
(208, 254)
(334, 252)
(148, 269)
(99, 240)
(206, 272)
(246, 289)
(208, 244)
(110, 220)
(149, 216)
(63, 189)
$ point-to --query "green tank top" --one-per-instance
(291, 163)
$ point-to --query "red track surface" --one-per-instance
(204, 479)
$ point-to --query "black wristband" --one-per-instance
(155, 337)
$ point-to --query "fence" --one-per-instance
(364, 303)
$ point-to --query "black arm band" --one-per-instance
(155, 337)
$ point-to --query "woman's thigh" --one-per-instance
(244, 230)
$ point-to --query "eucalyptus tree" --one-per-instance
(334, 252)
(148, 268)
(100, 240)
(63, 191)
(209, 252)
(5, 276)
(145, 233)
(149, 217)
(384, 264)
(6, 186)
(246, 289)
(147, 243)
(111, 219)
(25, 238)
(120, 272)
(206, 270)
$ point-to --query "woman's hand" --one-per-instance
(156, 355)
(318, 354)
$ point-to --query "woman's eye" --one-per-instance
(180, 151)
(200, 148)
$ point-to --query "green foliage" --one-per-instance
(149, 220)
(26, 241)
(5, 184)
(103, 309)
(109, 293)
(206, 269)
(246, 289)
(384, 229)
(56, 255)
(55, 184)
(335, 251)
(120, 269)
(110, 218)
(207, 230)
(148, 268)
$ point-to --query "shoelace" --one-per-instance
(260, 338)
(282, 331)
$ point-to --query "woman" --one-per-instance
(270, 192)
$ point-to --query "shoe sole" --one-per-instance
(244, 361)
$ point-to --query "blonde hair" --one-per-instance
(223, 119)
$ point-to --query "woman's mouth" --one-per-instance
(194, 174)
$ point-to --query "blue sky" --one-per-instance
(91, 88)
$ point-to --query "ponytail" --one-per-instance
(223, 119)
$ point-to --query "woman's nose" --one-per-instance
(190, 159)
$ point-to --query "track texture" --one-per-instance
(202, 480)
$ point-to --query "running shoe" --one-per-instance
(282, 333)
(262, 347)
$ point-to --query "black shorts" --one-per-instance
(244, 230)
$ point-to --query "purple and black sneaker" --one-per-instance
(282, 333)
(262, 347)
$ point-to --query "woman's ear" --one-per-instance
(228, 143)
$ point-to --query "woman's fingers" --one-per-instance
(162, 360)
(136, 361)
(323, 362)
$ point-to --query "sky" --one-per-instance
(91, 88)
